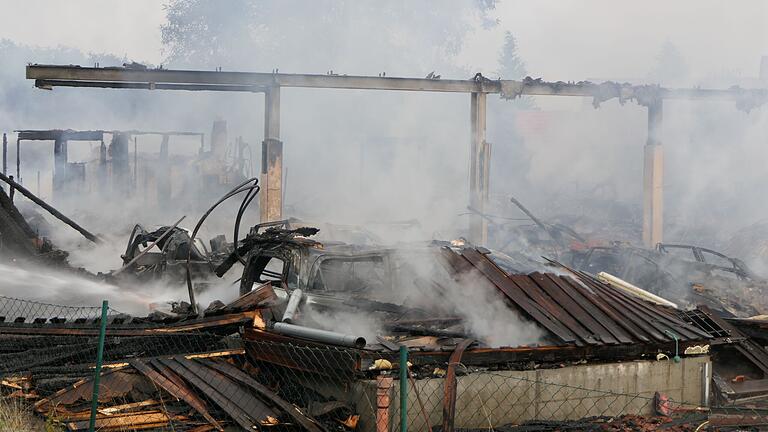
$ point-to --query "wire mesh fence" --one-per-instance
(16, 310)
(203, 380)
(483, 399)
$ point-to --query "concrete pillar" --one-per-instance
(18, 159)
(271, 199)
(118, 150)
(653, 179)
(219, 138)
(5, 154)
(103, 176)
(163, 174)
(59, 164)
(479, 170)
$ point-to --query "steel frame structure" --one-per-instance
(49, 76)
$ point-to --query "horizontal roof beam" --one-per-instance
(49, 84)
(49, 76)
(58, 75)
(88, 135)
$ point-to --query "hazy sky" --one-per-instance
(559, 39)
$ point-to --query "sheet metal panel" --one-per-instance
(240, 405)
(603, 316)
(583, 308)
(516, 295)
(167, 379)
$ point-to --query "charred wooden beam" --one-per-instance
(57, 214)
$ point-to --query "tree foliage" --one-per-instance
(511, 65)
(397, 36)
(671, 67)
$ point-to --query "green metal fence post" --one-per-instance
(403, 388)
(97, 372)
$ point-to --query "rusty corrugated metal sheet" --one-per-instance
(210, 386)
(583, 312)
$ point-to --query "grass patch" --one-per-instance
(17, 415)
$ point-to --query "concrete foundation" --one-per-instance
(495, 398)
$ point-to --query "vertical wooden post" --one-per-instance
(479, 170)
(271, 199)
(653, 178)
(163, 173)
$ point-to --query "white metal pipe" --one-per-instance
(323, 336)
(706, 379)
(631, 289)
(293, 305)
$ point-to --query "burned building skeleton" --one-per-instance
(254, 362)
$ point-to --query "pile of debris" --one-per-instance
(194, 392)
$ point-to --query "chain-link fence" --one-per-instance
(491, 398)
(207, 380)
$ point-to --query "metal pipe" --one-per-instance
(631, 289)
(50, 209)
(293, 305)
(317, 335)
(705, 382)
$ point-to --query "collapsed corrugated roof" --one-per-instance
(580, 312)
